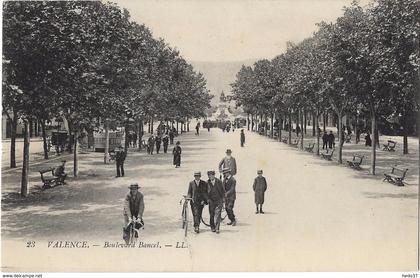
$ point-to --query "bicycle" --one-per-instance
(134, 227)
(184, 201)
(223, 215)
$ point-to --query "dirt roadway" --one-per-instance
(319, 216)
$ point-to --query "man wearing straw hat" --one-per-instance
(229, 184)
(133, 204)
(197, 191)
(228, 162)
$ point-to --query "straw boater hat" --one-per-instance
(134, 185)
(226, 170)
(198, 173)
(259, 171)
(211, 172)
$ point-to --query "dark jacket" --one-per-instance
(259, 186)
(216, 192)
(230, 188)
(120, 156)
(198, 193)
(228, 162)
(165, 140)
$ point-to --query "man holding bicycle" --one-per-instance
(133, 205)
(197, 191)
(216, 194)
(229, 184)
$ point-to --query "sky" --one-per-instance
(232, 30)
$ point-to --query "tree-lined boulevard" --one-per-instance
(89, 65)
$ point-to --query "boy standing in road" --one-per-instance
(259, 186)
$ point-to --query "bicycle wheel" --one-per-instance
(223, 214)
(186, 222)
(206, 223)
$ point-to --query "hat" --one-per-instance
(226, 170)
(228, 151)
(64, 160)
(259, 171)
(134, 185)
(211, 172)
(198, 173)
(177, 142)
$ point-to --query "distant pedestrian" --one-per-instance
(242, 138)
(368, 140)
(177, 154)
(297, 130)
(259, 187)
(158, 142)
(325, 140)
(228, 162)
(331, 140)
(165, 141)
(151, 144)
(120, 156)
(171, 136)
(197, 129)
(229, 184)
(134, 139)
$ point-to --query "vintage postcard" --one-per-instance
(204, 136)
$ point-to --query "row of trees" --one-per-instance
(87, 61)
(368, 62)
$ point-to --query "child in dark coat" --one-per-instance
(260, 186)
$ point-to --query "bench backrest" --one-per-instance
(391, 143)
(359, 157)
(403, 172)
(46, 170)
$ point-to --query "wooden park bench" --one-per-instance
(295, 142)
(396, 176)
(310, 147)
(284, 140)
(326, 155)
(50, 180)
(356, 161)
(348, 138)
(390, 146)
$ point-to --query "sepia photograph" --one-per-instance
(210, 136)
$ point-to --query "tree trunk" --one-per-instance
(356, 128)
(177, 130)
(314, 124)
(148, 126)
(373, 154)
(272, 125)
(151, 125)
(280, 120)
(405, 142)
(304, 121)
(324, 119)
(302, 116)
(188, 125)
(76, 154)
(377, 135)
(25, 165)
(290, 128)
(126, 141)
(340, 137)
(247, 121)
(141, 132)
(13, 141)
(44, 139)
(316, 118)
(106, 152)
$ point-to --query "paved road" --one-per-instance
(319, 216)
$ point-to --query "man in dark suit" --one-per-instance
(216, 196)
(197, 190)
(229, 183)
(120, 156)
(158, 142)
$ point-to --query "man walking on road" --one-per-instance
(242, 138)
(259, 187)
(171, 136)
(120, 156)
(229, 184)
(177, 154)
(158, 143)
(197, 191)
(216, 195)
(165, 141)
(197, 129)
(325, 140)
(228, 162)
(151, 144)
